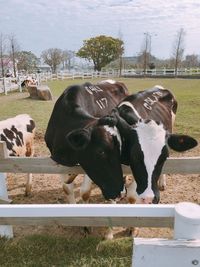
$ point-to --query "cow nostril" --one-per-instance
(146, 201)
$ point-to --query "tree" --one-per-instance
(2, 53)
(14, 48)
(52, 57)
(27, 61)
(101, 50)
(67, 59)
(178, 49)
(191, 61)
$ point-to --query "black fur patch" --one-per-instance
(30, 126)
(8, 143)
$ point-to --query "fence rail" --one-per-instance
(88, 215)
(11, 84)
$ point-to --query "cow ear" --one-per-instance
(78, 139)
(181, 143)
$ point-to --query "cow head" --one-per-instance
(147, 146)
(98, 150)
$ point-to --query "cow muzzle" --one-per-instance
(146, 200)
(121, 196)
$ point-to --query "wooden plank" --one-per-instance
(89, 215)
(182, 165)
(3, 150)
(47, 165)
(158, 222)
(166, 253)
(5, 230)
(4, 200)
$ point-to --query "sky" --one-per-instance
(41, 24)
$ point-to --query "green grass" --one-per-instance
(43, 251)
(187, 92)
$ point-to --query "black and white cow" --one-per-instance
(18, 134)
(145, 121)
(73, 137)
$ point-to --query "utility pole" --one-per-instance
(146, 44)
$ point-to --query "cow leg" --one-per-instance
(68, 187)
(109, 233)
(162, 182)
(131, 197)
(29, 153)
(85, 191)
(28, 186)
(86, 188)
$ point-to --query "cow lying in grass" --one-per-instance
(18, 134)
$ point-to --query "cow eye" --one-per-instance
(101, 153)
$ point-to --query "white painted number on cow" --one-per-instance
(91, 88)
(150, 101)
(102, 103)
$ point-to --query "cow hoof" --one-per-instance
(27, 193)
(162, 187)
(86, 230)
(133, 231)
(109, 236)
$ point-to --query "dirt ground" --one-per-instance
(48, 189)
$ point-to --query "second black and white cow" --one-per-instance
(145, 121)
(18, 134)
(74, 136)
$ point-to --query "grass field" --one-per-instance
(51, 250)
(186, 91)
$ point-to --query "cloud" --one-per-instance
(41, 24)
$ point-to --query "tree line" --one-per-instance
(101, 51)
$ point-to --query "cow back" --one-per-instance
(18, 133)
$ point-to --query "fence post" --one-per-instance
(4, 85)
(187, 221)
(182, 251)
(5, 230)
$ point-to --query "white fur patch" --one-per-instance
(114, 131)
(159, 87)
(129, 104)
(20, 123)
(108, 81)
(151, 137)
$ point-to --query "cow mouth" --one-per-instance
(120, 197)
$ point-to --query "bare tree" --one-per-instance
(192, 61)
(52, 57)
(121, 51)
(67, 58)
(2, 53)
(178, 49)
(14, 49)
(145, 52)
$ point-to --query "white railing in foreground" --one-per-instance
(183, 251)
(89, 215)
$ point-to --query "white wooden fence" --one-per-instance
(182, 251)
(10, 84)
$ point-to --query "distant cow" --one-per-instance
(145, 121)
(73, 136)
(29, 81)
(18, 134)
